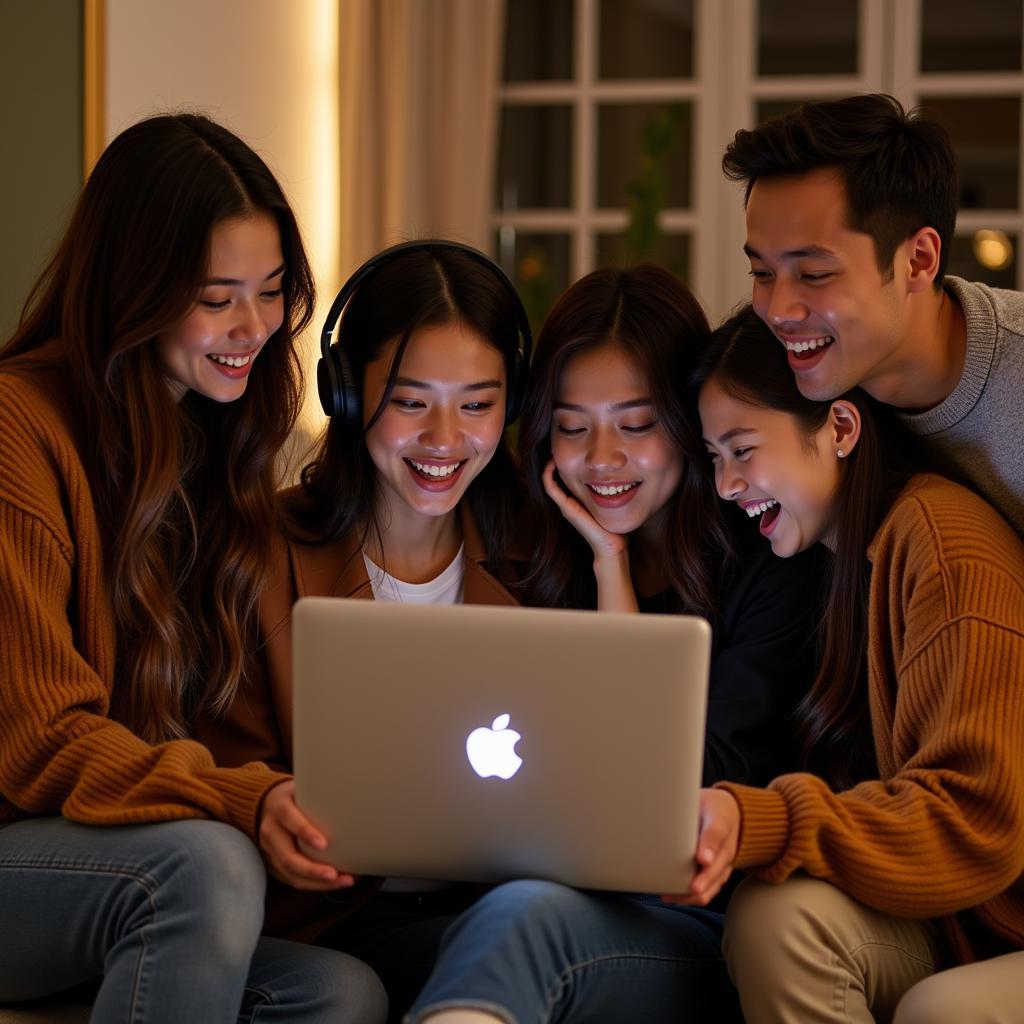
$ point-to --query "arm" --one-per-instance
(615, 591)
(59, 752)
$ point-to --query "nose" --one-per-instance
(729, 481)
(250, 325)
(441, 431)
(604, 452)
(785, 303)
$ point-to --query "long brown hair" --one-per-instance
(651, 314)
(183, 493)
(747, 361)
(428, 286)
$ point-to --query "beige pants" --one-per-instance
(806, 953)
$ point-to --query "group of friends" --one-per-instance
(829, 477)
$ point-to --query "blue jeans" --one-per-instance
(533, 952)
(169, 915)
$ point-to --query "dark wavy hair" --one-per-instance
(424, 287)
(747, 362)
(898, 168)
(653, 316)
(183, 492)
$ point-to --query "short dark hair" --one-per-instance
(898, 168)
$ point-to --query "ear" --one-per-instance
(844, 427)
(923, 250)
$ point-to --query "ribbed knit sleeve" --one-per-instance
(940, 830)
(59, 752)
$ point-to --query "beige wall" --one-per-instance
(267, 69)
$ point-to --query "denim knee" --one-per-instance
(212, 878)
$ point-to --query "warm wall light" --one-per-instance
(992, 249)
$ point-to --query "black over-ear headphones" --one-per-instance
(340, 391)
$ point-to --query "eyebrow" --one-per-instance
(630, 403)
(808, 251)
(480, 385)
(236, 281)
(730, 434)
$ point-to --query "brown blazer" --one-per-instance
(258, 725)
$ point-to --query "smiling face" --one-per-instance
(818, 286)
(607, 443)
(443, 421)
(771, 468)
(240, 306)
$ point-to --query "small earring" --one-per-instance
(840, 453)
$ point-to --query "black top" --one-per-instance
(763, 659)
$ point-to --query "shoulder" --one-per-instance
(39, 459)
(942, 541)
(996, 310)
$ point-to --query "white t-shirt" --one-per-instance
(443, 589)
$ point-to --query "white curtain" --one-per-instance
(419, 119)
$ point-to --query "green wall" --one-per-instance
(40, 139)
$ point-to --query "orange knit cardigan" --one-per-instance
(940, 833)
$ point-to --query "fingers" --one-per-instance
(716, 848)
(282, 826)
(554, 488)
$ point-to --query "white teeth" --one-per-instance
(811, 343)
(437, 471)
(761, 506)
(231, 360)
(608, 492)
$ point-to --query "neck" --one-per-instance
(412, 547)
(647, 557)
(930, 360)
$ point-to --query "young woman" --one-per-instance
(143, 400)
(411, 497)
(628, 524)
(901, 854)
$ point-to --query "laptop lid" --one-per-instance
(484, 743)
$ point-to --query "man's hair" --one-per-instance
(898, 168)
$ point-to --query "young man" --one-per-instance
(851, 206)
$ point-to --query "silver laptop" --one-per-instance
(484, 743)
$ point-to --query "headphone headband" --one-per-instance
(339, 390)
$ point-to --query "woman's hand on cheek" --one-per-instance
(282, 825)
(605, 545)
(720, 821)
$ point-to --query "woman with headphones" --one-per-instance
(411, 496)
(143, 401)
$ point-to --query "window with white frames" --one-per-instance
(617, 111)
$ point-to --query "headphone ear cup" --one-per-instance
(336, 385)
(516, 388)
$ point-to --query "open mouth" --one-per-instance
(804, 349)
(615, 493)
(768, 510)
(435, 475)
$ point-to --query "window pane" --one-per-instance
(646, 39)
(538, 264)
(807, 37)
(669, 251)
(988, 38)
(538, 40)
(767, 109)
(643, 155)
(988, 256)
(986, 136)
(534, 158)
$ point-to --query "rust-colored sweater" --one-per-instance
(941, 832)
(60, 753)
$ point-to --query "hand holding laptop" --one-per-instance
(716, 847)
(282, 826)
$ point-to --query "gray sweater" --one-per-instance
(977, 425)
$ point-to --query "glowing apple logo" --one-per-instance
(492, 751)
